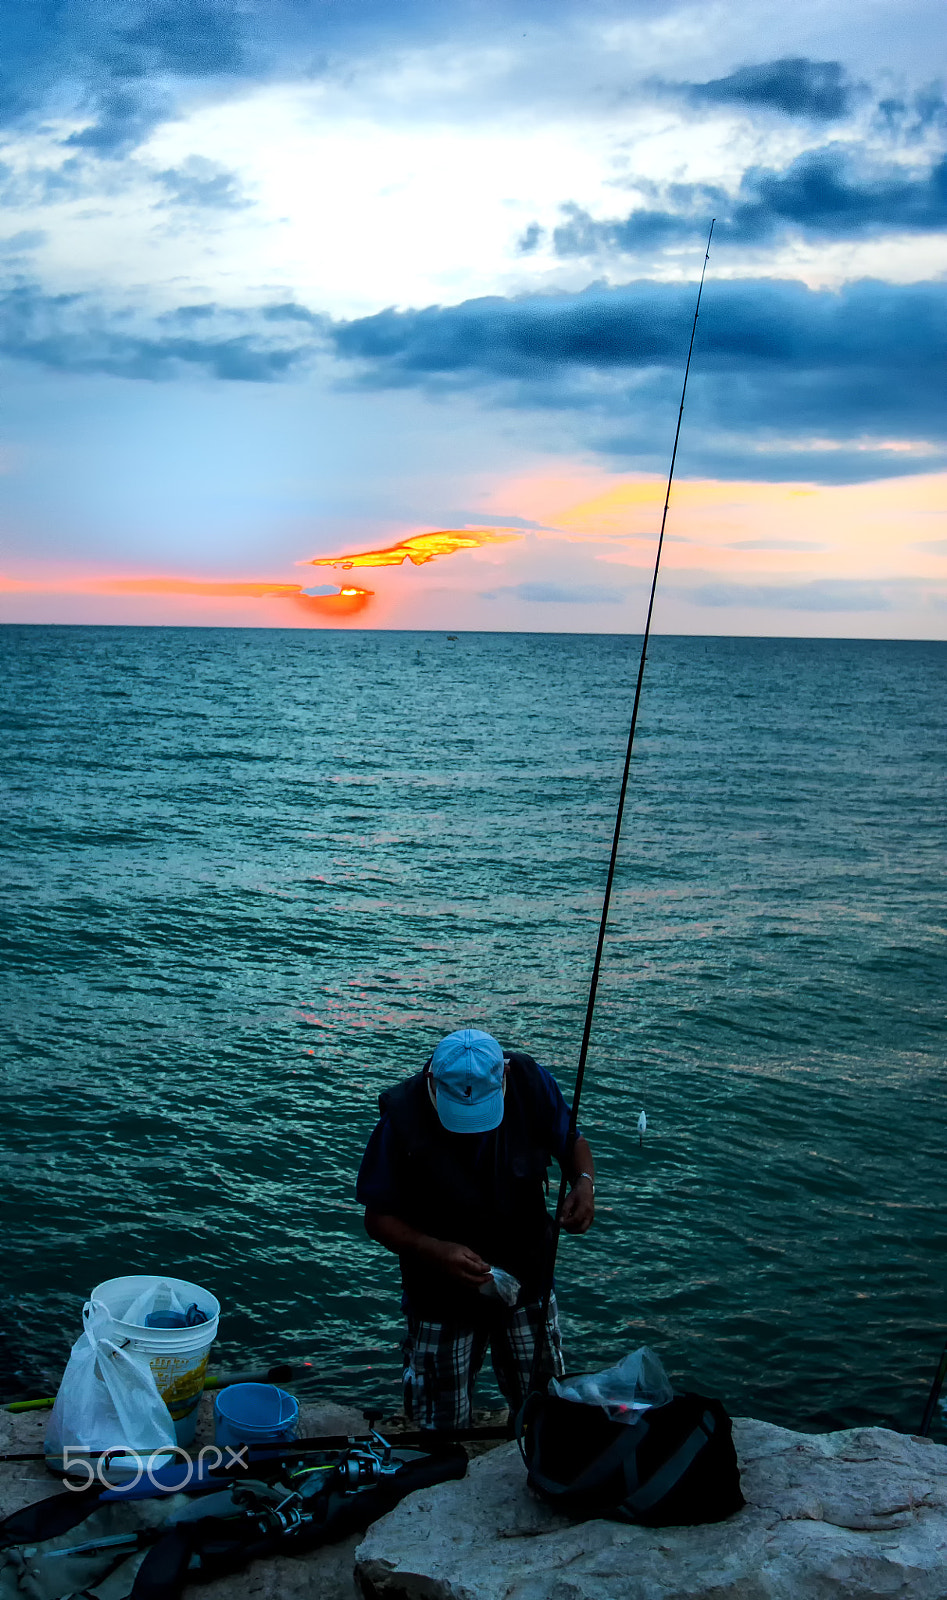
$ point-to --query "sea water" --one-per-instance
(250, 876)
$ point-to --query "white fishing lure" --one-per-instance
(642, 1127)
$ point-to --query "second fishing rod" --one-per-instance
(534, 1383)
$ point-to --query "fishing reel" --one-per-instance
(284, 1517)
(363, 1464)
(366, 1464)
(359, 1469)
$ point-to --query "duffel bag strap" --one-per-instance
(620, 1453)
(662, 1482)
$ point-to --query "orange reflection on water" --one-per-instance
(420, 548)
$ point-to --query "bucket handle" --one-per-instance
(88, 1312)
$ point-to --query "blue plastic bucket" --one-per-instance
(254, 1413)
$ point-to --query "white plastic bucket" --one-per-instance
(177, 1356)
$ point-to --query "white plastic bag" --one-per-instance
(158, 1296)
(501, 1286)
(108, 1397)
(635, 1385)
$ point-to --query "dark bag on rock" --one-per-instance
(675, 1466)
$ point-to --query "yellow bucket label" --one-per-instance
(180, 1382)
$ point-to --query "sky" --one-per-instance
(334, 313)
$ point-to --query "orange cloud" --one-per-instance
(347, 602)
(420, 548)
(212, 586)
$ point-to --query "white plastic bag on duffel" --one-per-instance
(635, 1385)
(108, 1397)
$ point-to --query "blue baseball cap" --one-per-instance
(467, 1073)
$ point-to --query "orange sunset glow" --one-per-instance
(588, 532)
(419, 549)
(349, 601)
(211, 586)
(882, 527)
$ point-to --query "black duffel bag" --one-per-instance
(675, 1466)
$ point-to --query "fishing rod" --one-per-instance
(280, 1374)
(934, 1396)
(600, 945)
(287, 1450)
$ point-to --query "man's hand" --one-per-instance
(459, 1262)
(455, 1259)
(578, 1213)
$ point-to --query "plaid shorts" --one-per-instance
(442, 1360)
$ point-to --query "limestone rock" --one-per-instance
(856, 1514)
(23, 1482)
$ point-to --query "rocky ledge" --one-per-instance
(828, 1517)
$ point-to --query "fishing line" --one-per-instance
(600, 945)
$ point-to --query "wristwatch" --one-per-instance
(584, 1175)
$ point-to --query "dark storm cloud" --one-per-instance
(530, 239)
(106, 58)
(68, 333)
(793, 85)
(913, 116)
(644, 229)
(122, 118)
(818, 194)
(202, 184)
(747, 326)
(186, 316)
(192, 38)
(787, 382)
(16, 245)
(775, 363)
(120, 64)
(529, 337)
(42, 185)
(290, 311)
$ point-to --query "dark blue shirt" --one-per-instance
(377, 1185)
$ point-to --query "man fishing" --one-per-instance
(453, 1180)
